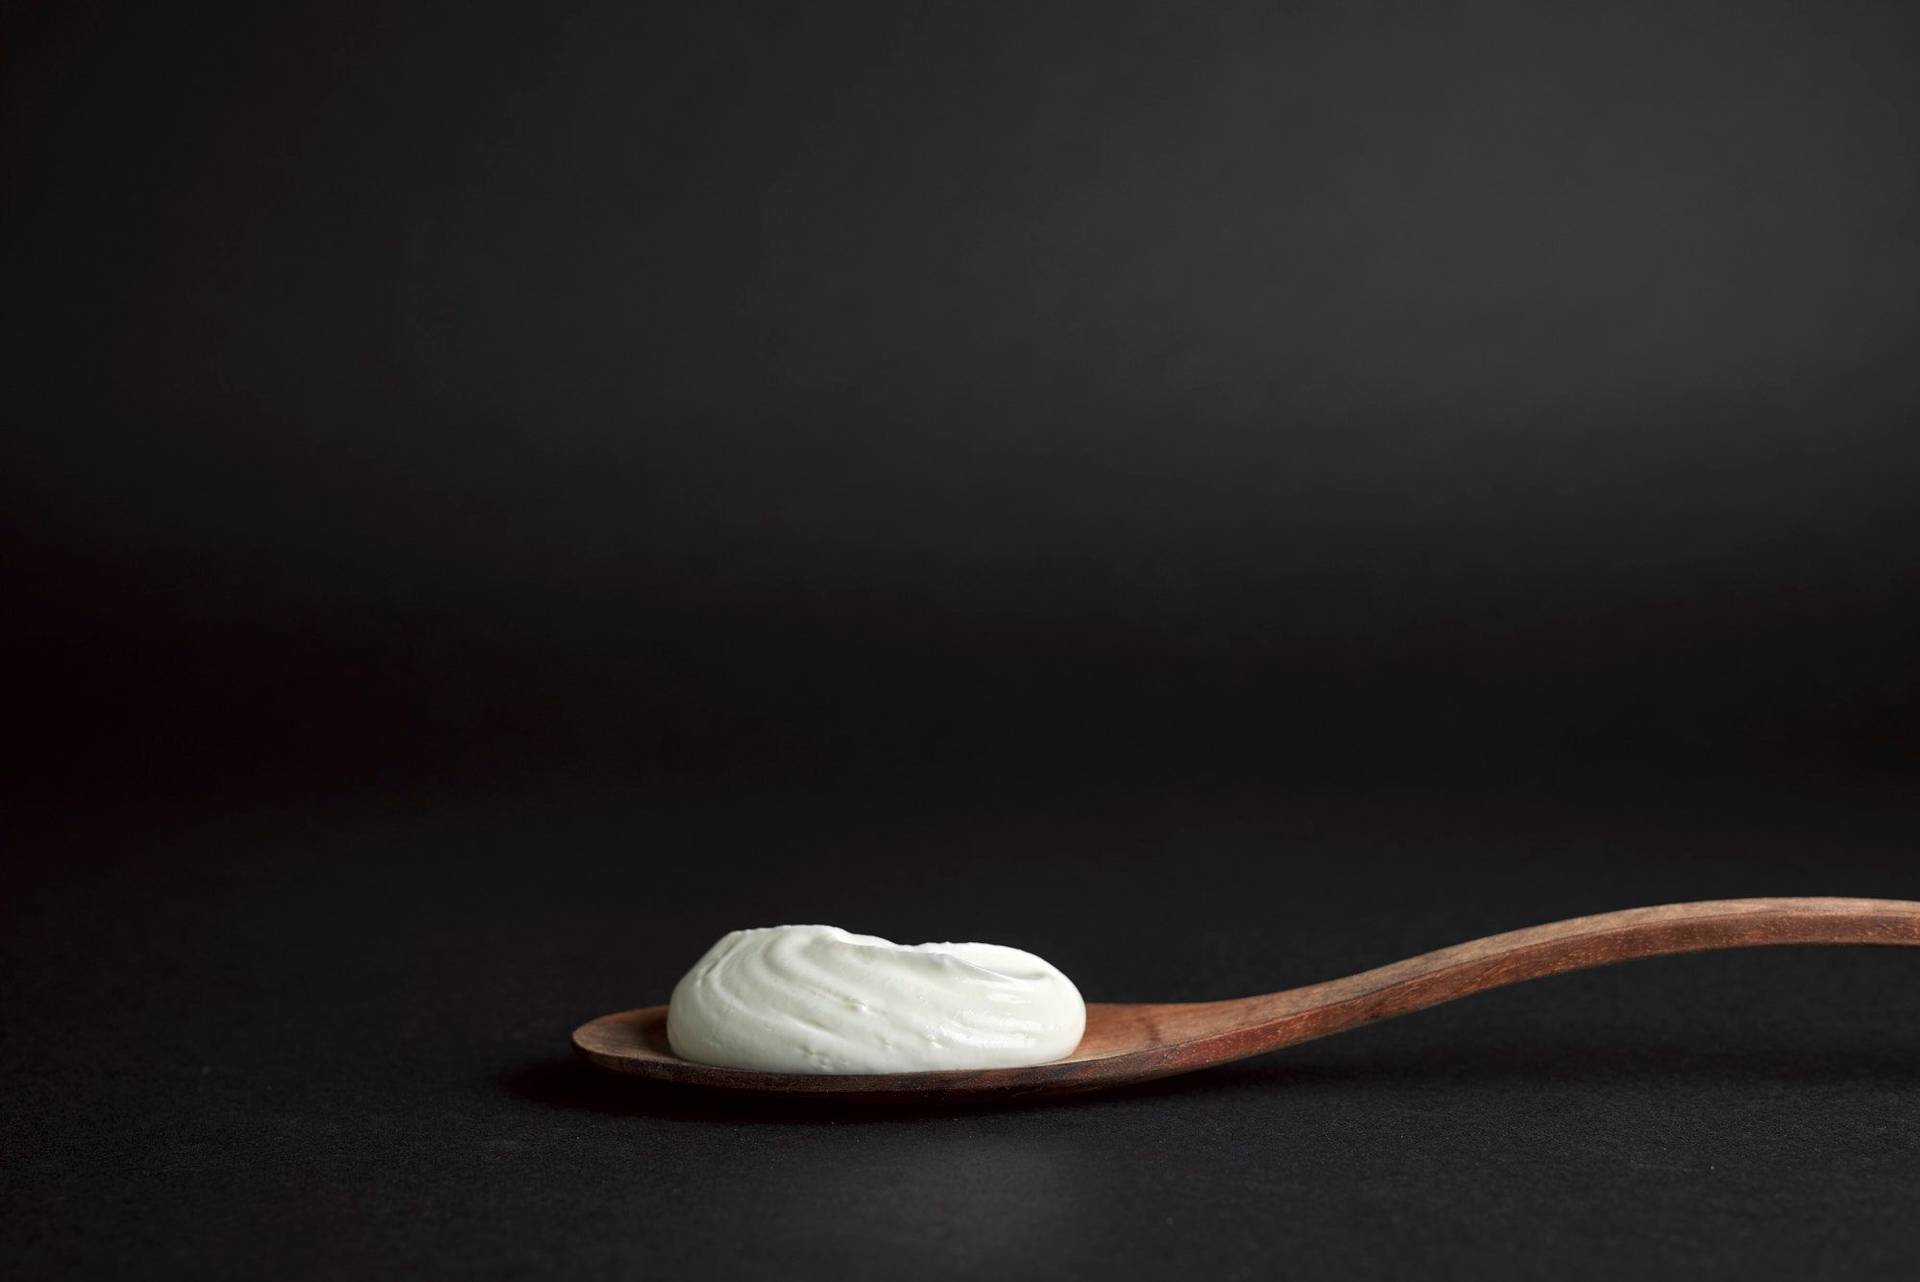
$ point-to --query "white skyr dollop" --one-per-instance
(817, 999)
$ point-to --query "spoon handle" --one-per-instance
(1301, 1014)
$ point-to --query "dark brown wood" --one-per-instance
(1139, 1041)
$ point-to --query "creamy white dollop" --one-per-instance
(817, 999)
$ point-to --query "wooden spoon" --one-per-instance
(1135, 1042)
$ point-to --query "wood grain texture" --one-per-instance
(1136, 1042)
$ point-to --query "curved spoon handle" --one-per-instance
(1301, 1014)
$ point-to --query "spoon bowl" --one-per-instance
(1140, 1041)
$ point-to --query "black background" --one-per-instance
(1223, 496)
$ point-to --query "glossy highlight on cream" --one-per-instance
(818, 999)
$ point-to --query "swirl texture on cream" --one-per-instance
(817, 999)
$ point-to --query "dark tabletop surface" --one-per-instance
(329, 1039)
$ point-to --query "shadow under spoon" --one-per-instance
(1139, 1041)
